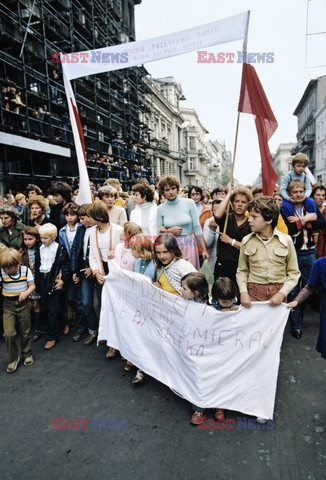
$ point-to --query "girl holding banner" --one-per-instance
(170, 264)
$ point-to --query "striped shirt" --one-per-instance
(13, 285)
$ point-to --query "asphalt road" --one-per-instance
(147, 434)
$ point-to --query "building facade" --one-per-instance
(320, 169)
(195, 170)
(161, 123)
(36, 142)
(313, 98)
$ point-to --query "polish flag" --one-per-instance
(253, 100)
(84, 192)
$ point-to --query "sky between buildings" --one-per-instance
(212, 89)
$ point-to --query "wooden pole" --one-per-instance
(232, 169)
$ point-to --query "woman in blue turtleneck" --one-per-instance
(179, 216)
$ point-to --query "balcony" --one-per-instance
(308, 139)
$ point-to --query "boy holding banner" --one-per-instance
(268, 267)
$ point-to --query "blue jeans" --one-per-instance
(306, 259)
(87, 290)
(74, 297)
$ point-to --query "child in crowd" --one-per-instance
(195, 288)
(224, 293)
(299, 164)
(122, 252)
(17, 284)
(82, 274)
(32, 243)
(72, 290)
(51, 272)
(142, 250)
(223, 299)
(170, 264)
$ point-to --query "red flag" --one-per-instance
(253, 100)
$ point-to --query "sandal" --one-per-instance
(139, 378)
(198, 418)
(112, 352)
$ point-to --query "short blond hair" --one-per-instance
(48, 229)
(131, 228)
(143, 245)
(9, 257)
(19, 197)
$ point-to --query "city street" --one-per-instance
(149, 436)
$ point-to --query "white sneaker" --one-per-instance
(12, 367)
(29, 360)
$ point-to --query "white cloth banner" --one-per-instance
(79, 64)
(227, 360)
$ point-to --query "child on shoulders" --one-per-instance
(299, 164)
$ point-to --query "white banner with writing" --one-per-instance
(227, 360)
(124, 55)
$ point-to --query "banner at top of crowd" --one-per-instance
(80, 64)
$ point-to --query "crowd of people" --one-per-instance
(125, 156)
(54, 254)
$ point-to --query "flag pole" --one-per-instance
(232, 169)
(244, 49)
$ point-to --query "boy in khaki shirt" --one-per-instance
(268, 268)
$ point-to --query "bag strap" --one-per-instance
(99, 252)
(98, 248)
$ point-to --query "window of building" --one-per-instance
(192, 163)
(192, 143)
